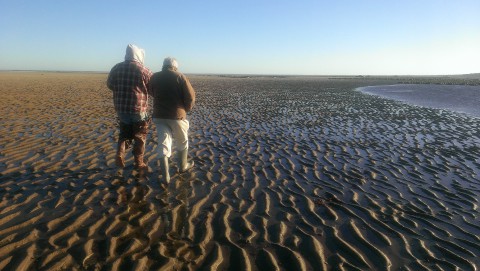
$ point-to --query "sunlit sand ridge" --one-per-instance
(291, 174)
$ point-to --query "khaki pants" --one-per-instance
(171, 132)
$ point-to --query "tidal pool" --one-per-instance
(463, 99)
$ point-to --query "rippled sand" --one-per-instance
(291, 174)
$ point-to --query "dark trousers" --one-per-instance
(135, 133)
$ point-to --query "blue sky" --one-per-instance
(343, 37)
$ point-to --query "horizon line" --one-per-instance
(254, 74)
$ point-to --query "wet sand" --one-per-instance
(292, 173)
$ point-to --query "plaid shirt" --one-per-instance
(129, 81)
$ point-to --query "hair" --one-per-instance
(170, 62)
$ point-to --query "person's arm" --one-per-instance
(188, 94)
(148, 82)
(111, 79)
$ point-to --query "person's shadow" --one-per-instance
(174, 243)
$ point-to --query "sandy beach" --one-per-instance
(292, 173)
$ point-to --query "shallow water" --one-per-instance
(463, 99)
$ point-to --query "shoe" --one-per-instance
(165, 170)
(184, 164)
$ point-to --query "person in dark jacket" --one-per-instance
(174, 97)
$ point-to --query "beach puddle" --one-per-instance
(463, 99)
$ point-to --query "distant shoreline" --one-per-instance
(337, 76)
(49, 71)
(465, 79)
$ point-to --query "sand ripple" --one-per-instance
(291, 174)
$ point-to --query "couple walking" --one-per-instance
(133, 85)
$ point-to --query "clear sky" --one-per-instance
(311, 37)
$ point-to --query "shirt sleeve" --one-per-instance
(110, 80)
(188, 94)
(147, 79)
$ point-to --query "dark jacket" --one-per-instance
(173, 95)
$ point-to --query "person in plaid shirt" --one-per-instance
(129, 80)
